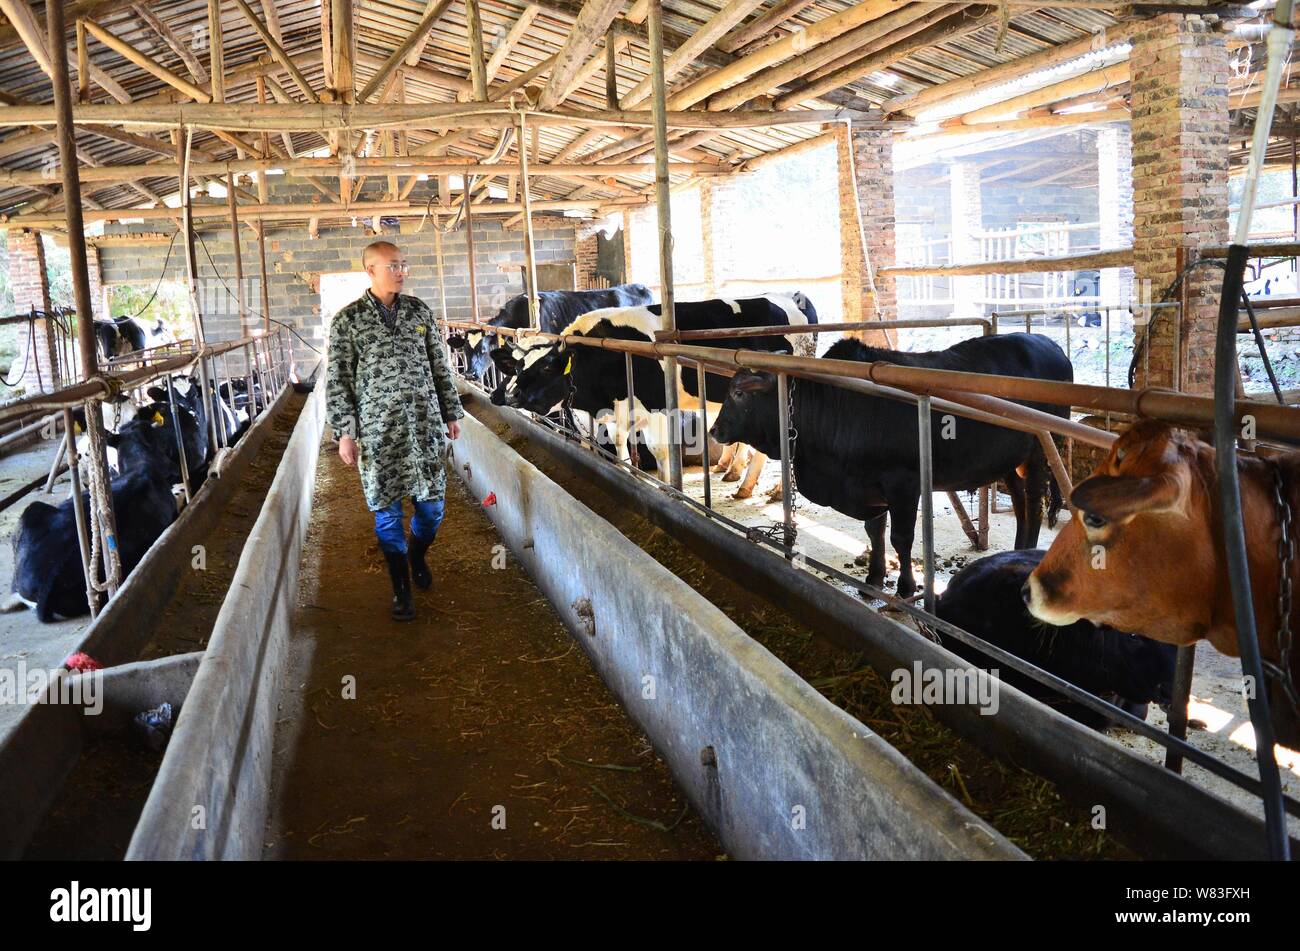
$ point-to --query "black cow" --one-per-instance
(859, 454)
(546, 373)
(47, 557)
(556, 310)
(119, 336)
(1125, 669)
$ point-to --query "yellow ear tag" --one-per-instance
(76, 427)
(157, 418)
(568, 366)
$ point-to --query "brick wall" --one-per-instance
(587, 254)
(1115, 206)
(31, 289)
(295, 262)
(1180, 184)
(870, 182)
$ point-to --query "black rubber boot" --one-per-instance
(420, 572)
(399, 571)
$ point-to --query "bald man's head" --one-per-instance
(386, 266)
(379, 251)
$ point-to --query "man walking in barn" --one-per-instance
(389, 397)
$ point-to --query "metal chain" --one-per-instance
(794, 438)
(1282, 671)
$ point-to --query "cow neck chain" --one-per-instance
(794, 439)
(1282, 671)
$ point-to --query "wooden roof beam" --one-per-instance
(732, 12)
(276, 50)
(513, 37)
(147, 63)
(592, 22)
(173, 42)
(744, 35)
(417, 37)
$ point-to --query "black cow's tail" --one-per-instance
(1041, 471)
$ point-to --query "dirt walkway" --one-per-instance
(480, 709)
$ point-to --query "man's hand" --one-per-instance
(348, 450)
(453, 429)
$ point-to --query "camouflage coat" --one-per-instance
(393, 392)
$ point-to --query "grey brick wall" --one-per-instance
(294, 261)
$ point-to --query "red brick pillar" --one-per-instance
(1180, 188)
(96, 282)
(869, 181)
(31, 289)
(586, 253)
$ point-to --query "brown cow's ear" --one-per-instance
(1117, 497)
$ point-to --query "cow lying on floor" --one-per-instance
(984, 598)
(47, 556)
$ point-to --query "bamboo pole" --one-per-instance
(507, 45)
(611, 76)
(477, 63)
(276, 50)
(266, 286)
(147, 63)
(1066, 121)
(988, 78)
(416, 38)
(592, 22)
(217, 51)
(663, 208)
(173, 42)
(1097, 80)
(761, 26)
(800, 40)
(343, 43)
(855, 40)
(324, 117)
(960, 24)
(530, 252)
(732, 12)
(468, 204)
(239, 253)
(1088, 260)
(83, 64)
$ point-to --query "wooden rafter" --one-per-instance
(508, 42)
(417, 37)
(164, 33)
(592, 22)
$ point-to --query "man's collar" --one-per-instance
(375, 297)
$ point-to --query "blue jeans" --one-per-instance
(424, 524)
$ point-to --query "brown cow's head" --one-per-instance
(1138, 552)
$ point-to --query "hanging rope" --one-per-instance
(103, 523)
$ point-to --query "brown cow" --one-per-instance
(1143, 551)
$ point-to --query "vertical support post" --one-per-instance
(83, 67)
(65, 133)
(611, 75)
(1184, 667)
(192, 265)
(530, 252)
(442, 282)
(266, 289)
(477, 65)
(469, 242)
(239, 253)
(983, 543)
(787, 463)
(79, 513)
(173, 406)
(632, 454)
(663, 207)
(927, 497)
(216, 44)
(702, 383)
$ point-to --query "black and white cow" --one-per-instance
(119, 336)
(556, 310)
(985, 599)
(858, 454)
(47, 557)
(548, 372)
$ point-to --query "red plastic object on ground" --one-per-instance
(83, 662)
(490, 499)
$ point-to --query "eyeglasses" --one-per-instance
(402, 268)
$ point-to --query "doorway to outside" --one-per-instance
(339, 290)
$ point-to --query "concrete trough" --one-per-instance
(210, 798)
(776, 770)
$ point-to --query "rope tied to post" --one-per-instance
(103, 527)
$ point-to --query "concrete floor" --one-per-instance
(1220, 721)
(22, 637)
